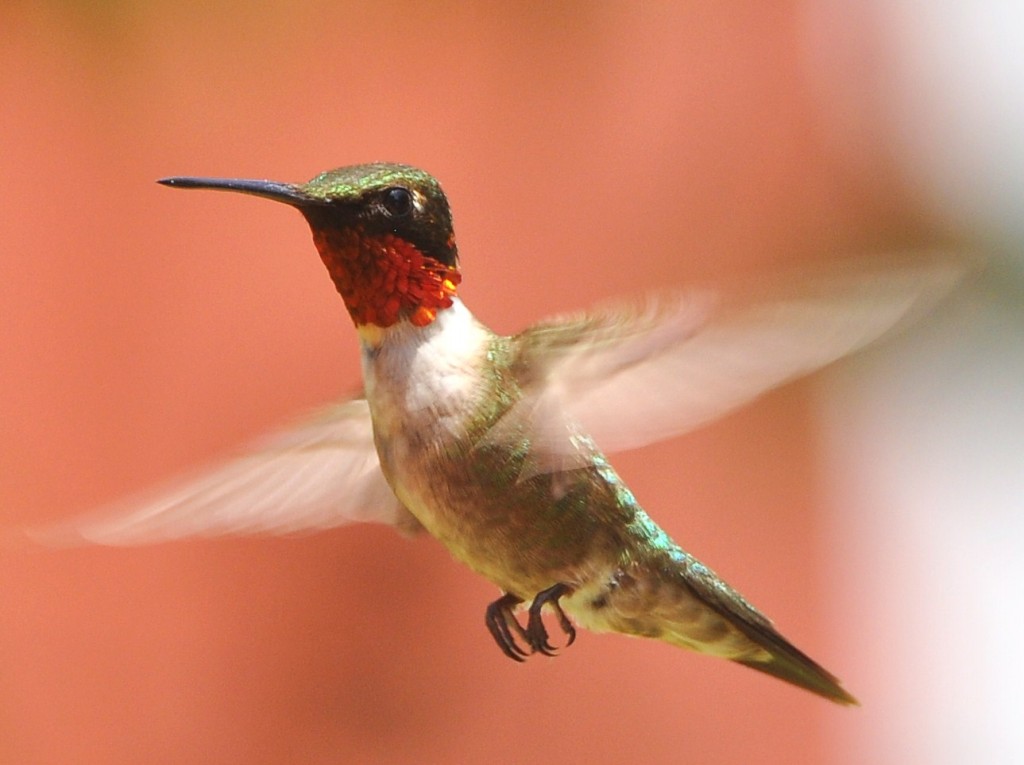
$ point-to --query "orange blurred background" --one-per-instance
(589, 150)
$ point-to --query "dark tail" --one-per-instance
(795, 667)
(781, 658)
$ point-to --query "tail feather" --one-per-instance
(777, 657)
(796, 668)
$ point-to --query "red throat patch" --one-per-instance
(383, 278)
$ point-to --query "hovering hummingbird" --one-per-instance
(496, 445)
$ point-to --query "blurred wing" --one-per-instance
(632, 376)
(321, 474)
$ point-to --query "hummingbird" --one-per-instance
(496, 445)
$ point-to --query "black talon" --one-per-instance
(502, 623)
(536, 633)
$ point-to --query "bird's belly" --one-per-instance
(524, 535)
(434, 412)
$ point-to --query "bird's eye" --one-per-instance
(398, 202)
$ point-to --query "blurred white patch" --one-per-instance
(939, 88)
(925, 441)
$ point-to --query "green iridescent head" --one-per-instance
(379, 198)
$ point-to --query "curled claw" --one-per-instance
(504, 627)
(509, 634)
(536, 632)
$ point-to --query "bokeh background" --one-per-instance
(590, 150)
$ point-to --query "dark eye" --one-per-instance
(398, 202)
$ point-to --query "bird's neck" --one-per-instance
(452, 328)
(384, 279)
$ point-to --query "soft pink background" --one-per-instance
(589, 150)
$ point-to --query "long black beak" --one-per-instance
(279, 192)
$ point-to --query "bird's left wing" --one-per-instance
(632, 375)
(317, 475)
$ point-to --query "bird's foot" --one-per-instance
(518, 642)
(504, 627)
(536, 632)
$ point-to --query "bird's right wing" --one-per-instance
(320, 474)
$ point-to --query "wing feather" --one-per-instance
(633, 375)
(317, 475)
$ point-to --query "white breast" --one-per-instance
(422, 383)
